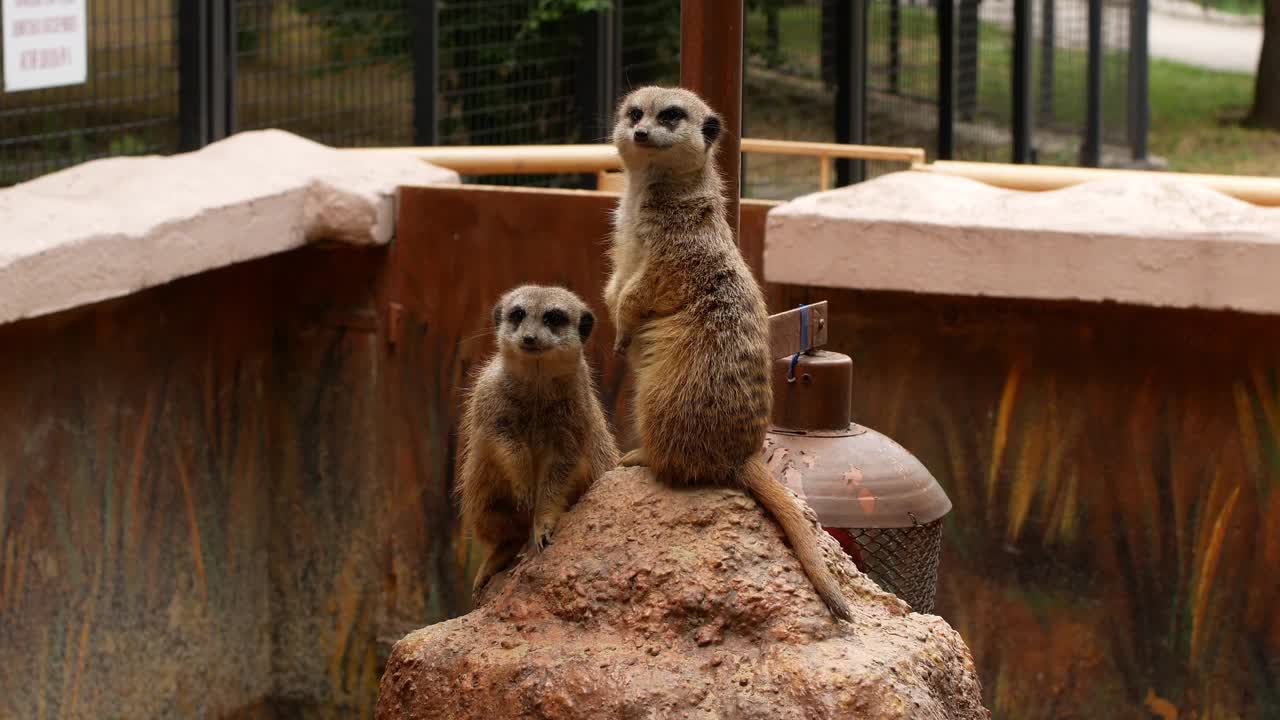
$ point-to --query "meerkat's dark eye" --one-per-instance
(672, 115)
(516, 315)
(635, 114)
(555, 318)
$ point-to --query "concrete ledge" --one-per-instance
(108, 228)
(1155, 241)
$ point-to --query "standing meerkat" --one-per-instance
(682, 294)
(534, 435)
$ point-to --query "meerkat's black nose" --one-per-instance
(529, 340)
(642, 135)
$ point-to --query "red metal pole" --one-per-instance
(711, 65)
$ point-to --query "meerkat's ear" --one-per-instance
(711, 128)
(585, 324)
(497, 314)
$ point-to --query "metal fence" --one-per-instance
(649, 42)
(962, 79)
(337, 72)
(128, 106)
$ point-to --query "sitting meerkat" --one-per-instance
(681, 292)
(533, 432)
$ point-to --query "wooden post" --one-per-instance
(711, 65)
(824, 173)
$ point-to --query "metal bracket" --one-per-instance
(786, 336)
(395, 321)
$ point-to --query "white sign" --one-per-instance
(45, 43)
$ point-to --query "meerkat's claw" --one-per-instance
(543, 529)
(633, 458)
(477, 587)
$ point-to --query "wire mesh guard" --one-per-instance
(903, 561)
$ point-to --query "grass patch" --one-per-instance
(799, 39)
(1235, 7)
(1195, 112)
(1195, 116)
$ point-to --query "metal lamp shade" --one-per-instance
(872, 495)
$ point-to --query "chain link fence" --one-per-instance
(649, 43)
(1058, 82)
(351, 73)
(128, 106)
(336, 71)
(505, 81)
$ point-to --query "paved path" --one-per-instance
(1174, 34)
(1233, 48)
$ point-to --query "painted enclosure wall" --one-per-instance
(197, 513)
(215, 495)
(1115, 471)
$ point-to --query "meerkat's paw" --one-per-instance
(477, 587)
(498, 560)
(543, 529)
(633, 458)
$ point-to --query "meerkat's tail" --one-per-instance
(773, 496)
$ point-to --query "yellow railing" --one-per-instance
(828, 153)
(604, 162)
(1251, 189)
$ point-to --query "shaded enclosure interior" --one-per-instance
(215, 495)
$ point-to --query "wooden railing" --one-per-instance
(1251, 189)
(827, 153)
(603, 161)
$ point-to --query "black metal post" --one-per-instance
(895, 44)
(206, 72)
(851, 86)
(1048, 54)
(967, 59)
(193, 128)
(222, 65)
(1139, 64)
(1022, 128)
(1091, 151)
(619, 78)
(426, 78)
(595, 75)
(946, 19)
(830, 39)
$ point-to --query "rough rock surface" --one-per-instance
(108, 228)
(653, 603)
(1141, 239)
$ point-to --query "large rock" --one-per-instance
(654, 603)
(108, 228)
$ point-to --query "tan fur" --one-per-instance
(692, 318)
(534, 435)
